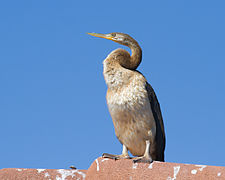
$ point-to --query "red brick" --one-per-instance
(42, 174)
(125, 169)
(102, 169)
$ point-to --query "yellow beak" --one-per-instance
(105, 36)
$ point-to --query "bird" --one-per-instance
(132, 103)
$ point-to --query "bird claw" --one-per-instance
(143, 160)
(111, 156)
(115, 157)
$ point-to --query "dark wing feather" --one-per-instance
(160, 133)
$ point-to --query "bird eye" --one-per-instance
(113, 34)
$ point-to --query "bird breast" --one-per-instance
(130, 102)
(129, 106)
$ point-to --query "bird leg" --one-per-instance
(146, 158)
(124, 154)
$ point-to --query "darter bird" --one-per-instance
(132, 103)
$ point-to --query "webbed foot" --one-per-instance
(115, 157)
(143, 159)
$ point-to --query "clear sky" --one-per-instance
(53, 110)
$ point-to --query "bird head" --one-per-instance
(120, 38)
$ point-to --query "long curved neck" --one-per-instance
(136, 56)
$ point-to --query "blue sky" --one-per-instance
(53, 110)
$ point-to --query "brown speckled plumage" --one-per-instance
(132, 103)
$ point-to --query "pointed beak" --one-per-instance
(105, 36)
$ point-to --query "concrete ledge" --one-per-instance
(102, 169)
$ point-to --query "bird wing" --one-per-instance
(160, 133)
